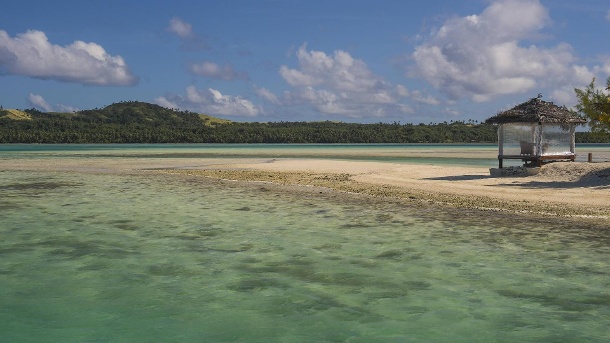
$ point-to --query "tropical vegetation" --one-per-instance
(140, 122)
(594, 104)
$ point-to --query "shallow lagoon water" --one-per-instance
(97, 257)
(469, 154)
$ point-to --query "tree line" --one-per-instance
(139, 122)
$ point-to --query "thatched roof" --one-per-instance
(537, 110)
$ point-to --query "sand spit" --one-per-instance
(562, 189)
(559, 190)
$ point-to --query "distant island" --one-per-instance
(141, 122)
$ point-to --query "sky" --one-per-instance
(303, 60)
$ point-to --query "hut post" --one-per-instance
(573, 139)
(500, 144)
(501, 139)
(538, 139)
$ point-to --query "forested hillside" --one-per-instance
(140, 122)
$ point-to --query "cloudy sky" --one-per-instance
(303, 60)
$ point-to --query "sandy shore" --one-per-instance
(561, 189)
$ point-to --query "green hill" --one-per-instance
(145, 113)
(120, 113)
(15, 114)
(123, 122)
(212, 121)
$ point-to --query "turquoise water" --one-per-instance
(104, 257)
(471, 154)
(479, 155)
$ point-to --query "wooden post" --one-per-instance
(501, 140)
(500, 144)
(573, 139)
(590, 157)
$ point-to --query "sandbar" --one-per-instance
(561, 189)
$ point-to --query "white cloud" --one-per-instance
(404, 108)
(31, 54)
(180, 28)
(66, 108)
(451, 111)
(402, 91)
(184, 31)
(481, 56)
(563, 96)
(210, 101)
(605, 68)
(39, 102)
(581, 77)
(214, 71)
(267, 95)
(425, 99)
(340, 84)
(165, 102)
(340, 72)
(298, 78)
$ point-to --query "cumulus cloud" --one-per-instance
(180, 28)
(340, 84)
(210, 101)
(214, 71)
(604, 68)
(423, 98)
(67, 108)
(184, 31)
(402, 91)
(39, 102)
(481, 56)
(165, 102)
(267, 95)
(31, 54)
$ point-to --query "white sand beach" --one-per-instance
(562, 189)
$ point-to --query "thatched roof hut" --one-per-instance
(537, 110)
(536, 131)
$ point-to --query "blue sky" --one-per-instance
(303, 60)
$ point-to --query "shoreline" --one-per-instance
(576, 190)
(569, 190)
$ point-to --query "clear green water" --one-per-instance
(97, 257)
(478, 155)
(445, 154)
